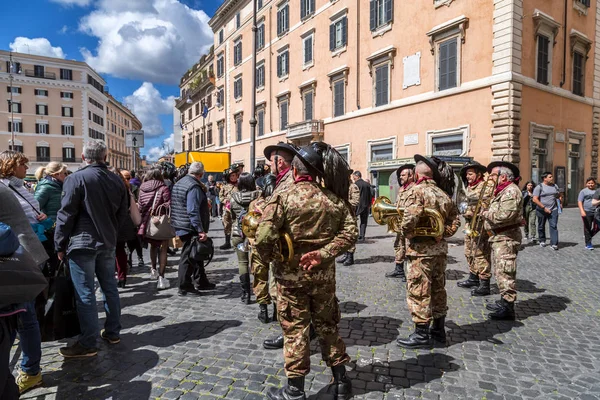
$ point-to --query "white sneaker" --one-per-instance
(163, 283)
(153, 274)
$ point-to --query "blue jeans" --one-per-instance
(30, 339)
(85, 264)
(552, 225)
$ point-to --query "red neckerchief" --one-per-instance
(406, 185)
(280, 175)
(423, 178)
(501, 187)
(303, 178)
(476, 182)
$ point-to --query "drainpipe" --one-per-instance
(564, 73)
(358, 54)
(270, 54)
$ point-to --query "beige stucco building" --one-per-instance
(119, 120)
(56, 106)
(382, 80)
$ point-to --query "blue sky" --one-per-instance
(126, 41)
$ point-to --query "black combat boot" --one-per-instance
(294, 390)
(349, 261)
(245, 294)
(419, 339)
(362, 232)
(505, 311)
(437, 331)
(227, 244)
(398, 272)
(340, 386)
(483, 289)
(274, 344)
(343, 258)
(248, 288)
(494, 306)
(274, 316)
(472, 281)
(263, 313)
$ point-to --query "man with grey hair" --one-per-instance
(503, 220)
(93, 206)
(190, 217)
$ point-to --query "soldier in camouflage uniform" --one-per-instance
(406, 179)
(427, 256)
(321, 226)
(231, 176)
(503, 219)
(354, 199)
(477, 249)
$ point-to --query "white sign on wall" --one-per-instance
(411, 139)
(412, 70)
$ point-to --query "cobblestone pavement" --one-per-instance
(210, 347)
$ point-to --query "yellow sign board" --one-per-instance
(214, 161)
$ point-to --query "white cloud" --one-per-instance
(38, 46)
(154, 153)
(150, 40)
(147, 104)
(63, 30)
(81, 3)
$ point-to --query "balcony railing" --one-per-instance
(48, 159)
(46, 75)
(305, 129)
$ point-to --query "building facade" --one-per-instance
(196, 106)
(385, 79)
(119, 120)
(54, 106)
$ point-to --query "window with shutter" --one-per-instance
(221, 128)
(308, 105)
(338, 97)
(382, 85)
(308, 50)
(260, 37)
(238, 128)
(381, 13)
(282, 19)
(543, 59)
(447, 64)
(261, 121)
(578, 68)
(238, 20)
(283, 114)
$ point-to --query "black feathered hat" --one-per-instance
(312, 158)
(431, 164)
(511, 166)
(471, 165)
(282, 146)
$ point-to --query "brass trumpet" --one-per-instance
(474, 228)
(384, 212)
(285, 247)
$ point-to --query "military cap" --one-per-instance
(511, 166)
(402, 168)
(431, 164)
(471, 165)
(281, 146)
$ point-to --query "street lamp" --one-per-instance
(253, 114)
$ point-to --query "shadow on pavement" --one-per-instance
(351, 307)
(526, 286)
(375, 259)
(486, 330)
(142, 298)
(130, 320)
(455, 274)
(375, 330)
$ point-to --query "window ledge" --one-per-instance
(283, 78)
(439, 3)
(238, 99)
(282, 34)
(580, 8)
(339, 51)
(308, 17)
(308, 66)
(260, 89)
(380, 31)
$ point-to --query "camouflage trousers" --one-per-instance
(227, 221)
(426, 288)
(504, 258)
(399, 248)
(296, 308)
(479, 256)
(264, 286)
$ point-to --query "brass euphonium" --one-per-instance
(475, 228)
(384, 212)
(285, 247)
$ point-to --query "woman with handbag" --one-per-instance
(154, 202)
(13, 169)
(240, 201)
(134, 244)
(126, 233)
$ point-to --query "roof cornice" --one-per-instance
(223, 12)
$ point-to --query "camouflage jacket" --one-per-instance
(472, 194)
(315, 219)
(225, 195)
(506, 211)
(353, 196)
(402, 193)
(285, 183)
(426, 194)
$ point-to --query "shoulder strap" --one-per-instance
(23, 197)
(154, 202)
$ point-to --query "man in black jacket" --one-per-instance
(94, 204)
(190, 217)
(362, 211)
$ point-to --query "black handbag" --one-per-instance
(202, 251)
(61, 320)
(21, 280)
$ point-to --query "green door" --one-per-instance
(383, 183)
